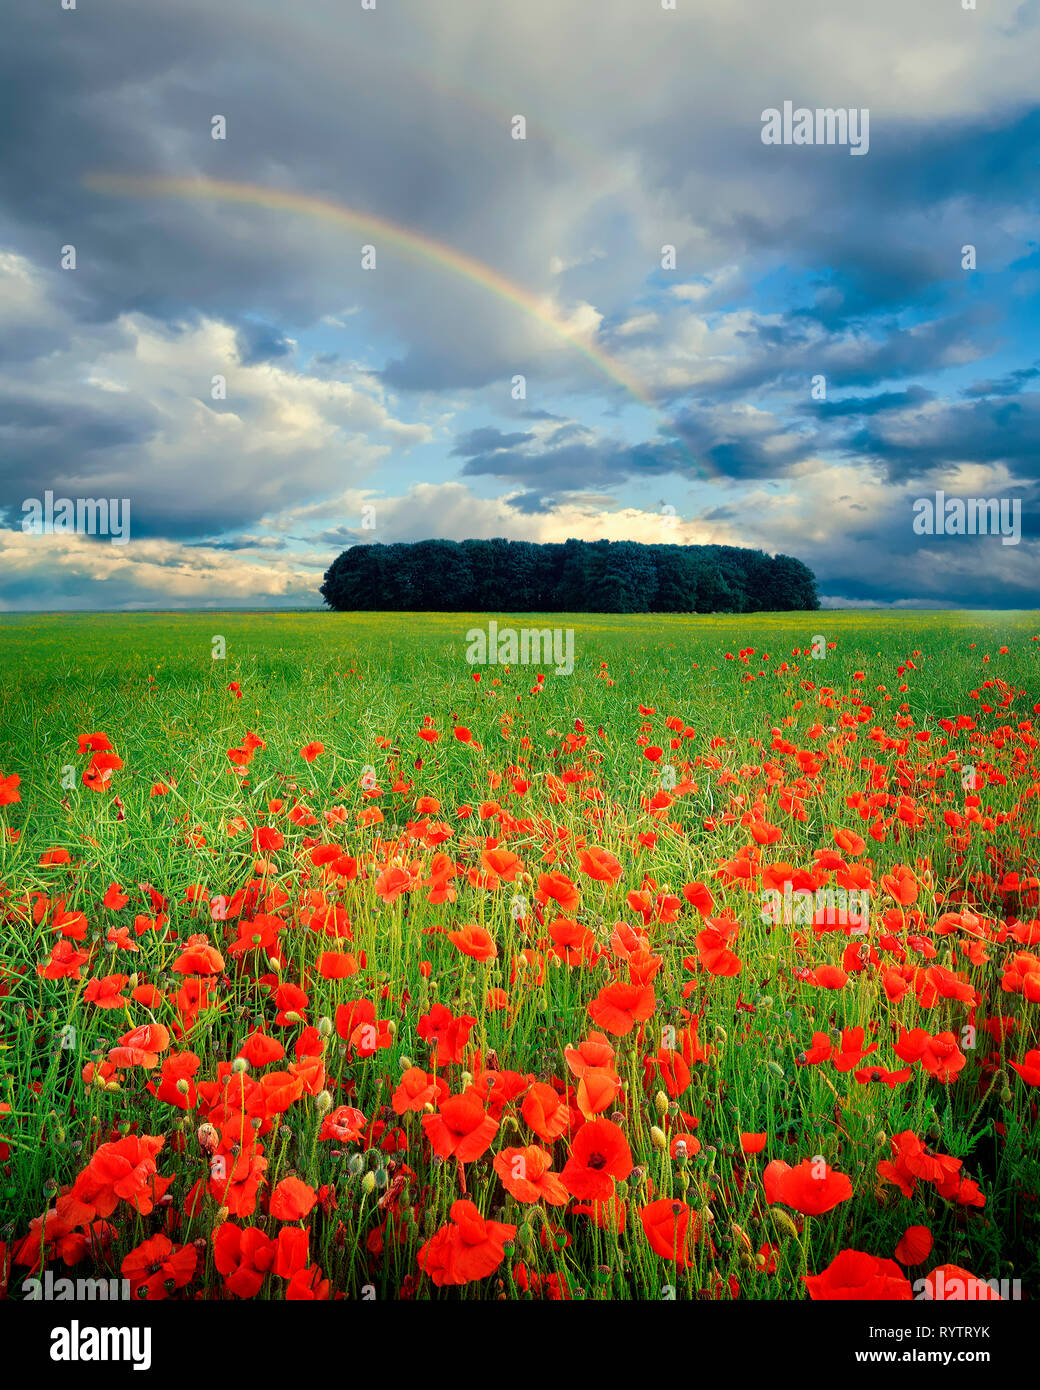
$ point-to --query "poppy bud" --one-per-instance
(208, 1137)
(355, 1165)
(111, 1085)
(222, 1216)
(721, 1035)
(784, 1224)
(881, 1137)
(368, 1184)
(239, 1065)
(740, 1236)
(275, 965)
(133, 981)
(661, 1104)
(325, 1027)
(659, 1139)
(776, 1069)
(323, 1102)
(406, 1062)
(467, 1080)
(1005, 1095)
(293, 1016)
(934, 1132)
(182, 1086)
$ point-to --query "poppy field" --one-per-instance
(334, 966)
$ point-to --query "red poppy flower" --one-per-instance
(560, 888)
(461, 1127)
(619, 1007)
(670, 1227)
(292, 1200)
(915, 1245)
(243, 1255)
(475, 941)
(155, 1264)
(417, 1090)
(599, 864)
(812, 1188)
(545, 1112)
(526, 1174)
(855, 1275)
(599, 1156)
(468, 1248)
(199, 958)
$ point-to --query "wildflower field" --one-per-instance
(333, 966)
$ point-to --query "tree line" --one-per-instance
(572, 577)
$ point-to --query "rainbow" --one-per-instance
(409, 242)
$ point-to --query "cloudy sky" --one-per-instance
(381, 403)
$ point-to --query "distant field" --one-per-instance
(520, 962)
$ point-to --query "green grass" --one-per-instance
(362, 685)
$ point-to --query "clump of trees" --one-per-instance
(573, 577)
